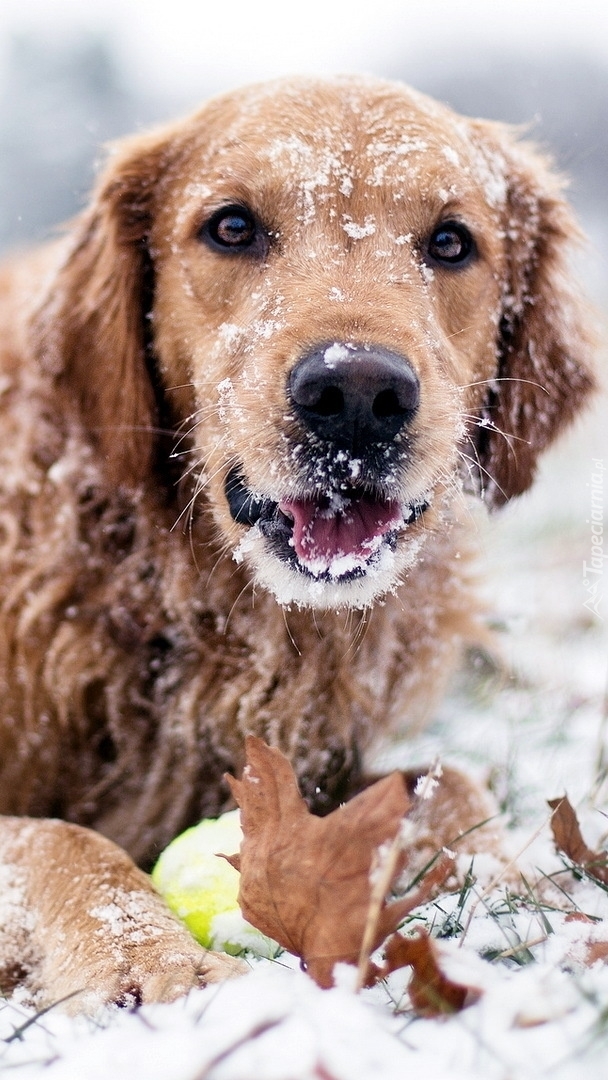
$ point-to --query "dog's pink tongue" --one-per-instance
(322, 535)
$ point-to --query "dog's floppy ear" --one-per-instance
(544, 346)
(90, 331)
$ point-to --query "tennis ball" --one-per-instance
(201, 888)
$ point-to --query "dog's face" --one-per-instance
(340, 270)
(333, 261)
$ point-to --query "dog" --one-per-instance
(247, 401)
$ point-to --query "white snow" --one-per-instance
(450, 155)
(341, 563)
(334, 354)
(357, 231)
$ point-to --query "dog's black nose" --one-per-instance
(354, 395)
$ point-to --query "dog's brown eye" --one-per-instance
(451, 243)
(232, 228)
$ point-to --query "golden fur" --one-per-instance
(140, 364)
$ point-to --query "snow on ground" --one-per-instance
(535, 726)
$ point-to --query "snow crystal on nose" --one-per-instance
(334, 354)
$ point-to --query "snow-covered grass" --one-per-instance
(533, 723)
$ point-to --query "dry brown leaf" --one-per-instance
(305, 880)
(434, 877)
(569, 839)
(431, 992)
(596, 950)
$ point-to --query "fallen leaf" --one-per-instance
(305, 880)
(431, 992)
(384, 874)
(594, 951)
(569, 839)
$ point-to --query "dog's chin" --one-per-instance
(358, 586)
(343, 549)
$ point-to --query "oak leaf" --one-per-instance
(307, 881)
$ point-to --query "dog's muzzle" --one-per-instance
(352, 405)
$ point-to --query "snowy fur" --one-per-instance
(138, 367)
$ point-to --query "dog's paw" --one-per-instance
(86, 928)
(125, 947)
(159, 970)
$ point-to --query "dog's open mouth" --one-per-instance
(334, 536)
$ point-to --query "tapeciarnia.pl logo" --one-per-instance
(593, 570)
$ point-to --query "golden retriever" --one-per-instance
(243, 401)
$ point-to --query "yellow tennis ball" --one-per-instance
(202, 889)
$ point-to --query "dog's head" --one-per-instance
(341, 299)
